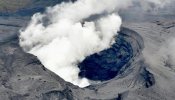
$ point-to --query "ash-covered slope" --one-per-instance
(23, 77)
(158, 36)
(25, 7)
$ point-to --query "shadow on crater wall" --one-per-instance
(108, 63)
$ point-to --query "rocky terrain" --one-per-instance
(23, 77)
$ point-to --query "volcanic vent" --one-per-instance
(109, 63)
(60, 40)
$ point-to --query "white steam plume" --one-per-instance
(61, 37)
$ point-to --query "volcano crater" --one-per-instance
(111, 62)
